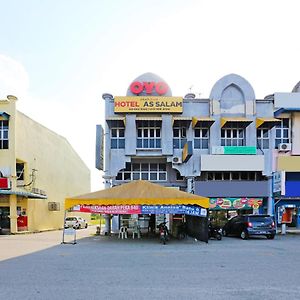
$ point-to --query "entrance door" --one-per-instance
(4, 219)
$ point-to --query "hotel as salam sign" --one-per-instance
(215, 147)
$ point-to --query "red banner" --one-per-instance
(109, 209)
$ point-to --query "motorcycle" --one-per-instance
(214, 232)
(163, 232)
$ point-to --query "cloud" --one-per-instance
(14, 79)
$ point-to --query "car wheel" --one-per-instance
(224, 232)
(86, 225)
(79, 226)
(244, 235)
(270, 236)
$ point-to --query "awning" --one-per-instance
(118, 119)
(202, 121)
(240, 120)
(182, 120)
(267, 122)
(23, 194)
(148, 118)
(139, 192)
(4, 115)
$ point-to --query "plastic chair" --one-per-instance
(123, 232)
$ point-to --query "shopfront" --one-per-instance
(144, 204)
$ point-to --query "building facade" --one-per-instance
(38, 170)
(287, 157)
(220, 147)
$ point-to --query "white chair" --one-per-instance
(136, 231)
(123, 232)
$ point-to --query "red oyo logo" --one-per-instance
(160, 87)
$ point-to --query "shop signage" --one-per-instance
(187, 151)
(277, 178)
(160, 88)
(136, 104)
(240, 150)
(192, 210)
(234, 203)
(5, 183)
(174, 209)
(109, 209)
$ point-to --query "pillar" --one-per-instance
(13, 213)
(270, 207)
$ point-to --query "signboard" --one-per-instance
(234, 203)
(230, 150)
(187, 151)
(138, 104)
(109, 209)
(138, 87)
(192, 210)
(277, 182)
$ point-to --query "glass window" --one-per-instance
(179, 137)
(201, 137)
(263, 139)
(117, 140)
(232, 136)
(4, 134)
(283, 133)
(144, 171)
(148, 133)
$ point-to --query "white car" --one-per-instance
(76, 222)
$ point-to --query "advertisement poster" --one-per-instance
(234, 203)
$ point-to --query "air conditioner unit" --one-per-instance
(284, 147)
(53, 206)
(176, 160)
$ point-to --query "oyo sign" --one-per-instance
(160, 88)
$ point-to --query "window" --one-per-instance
(283, 134)
(249, 176)
(148, 135)
(201, 137)
(179, 137)
(233, 135)
(20, 171)
(143, 171)
(4, 134)
(263, 138)
(117, 140)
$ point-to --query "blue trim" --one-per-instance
(4, 114)
(284, 110)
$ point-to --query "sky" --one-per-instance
(59, 57)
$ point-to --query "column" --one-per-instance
(13, 213)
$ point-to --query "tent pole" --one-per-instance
(63, 237)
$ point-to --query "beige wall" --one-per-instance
(296, 133)
(60, 171)
(7, 157)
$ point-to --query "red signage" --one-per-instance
(137, 87)
(109, 209)
(4, 183)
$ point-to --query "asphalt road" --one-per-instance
(111, 268)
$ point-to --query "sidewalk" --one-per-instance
(22, 244)
(289, 230)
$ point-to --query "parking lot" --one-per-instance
(101, 267)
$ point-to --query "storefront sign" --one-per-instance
(135, 104)
(160, 88)
(109, 209)
(234, 203)
(191, 210)
(230, 150)
(187, 151)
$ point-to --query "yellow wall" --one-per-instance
(60, 171)
(7, 157)
(288, 163)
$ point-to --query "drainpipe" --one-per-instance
(270, 208)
